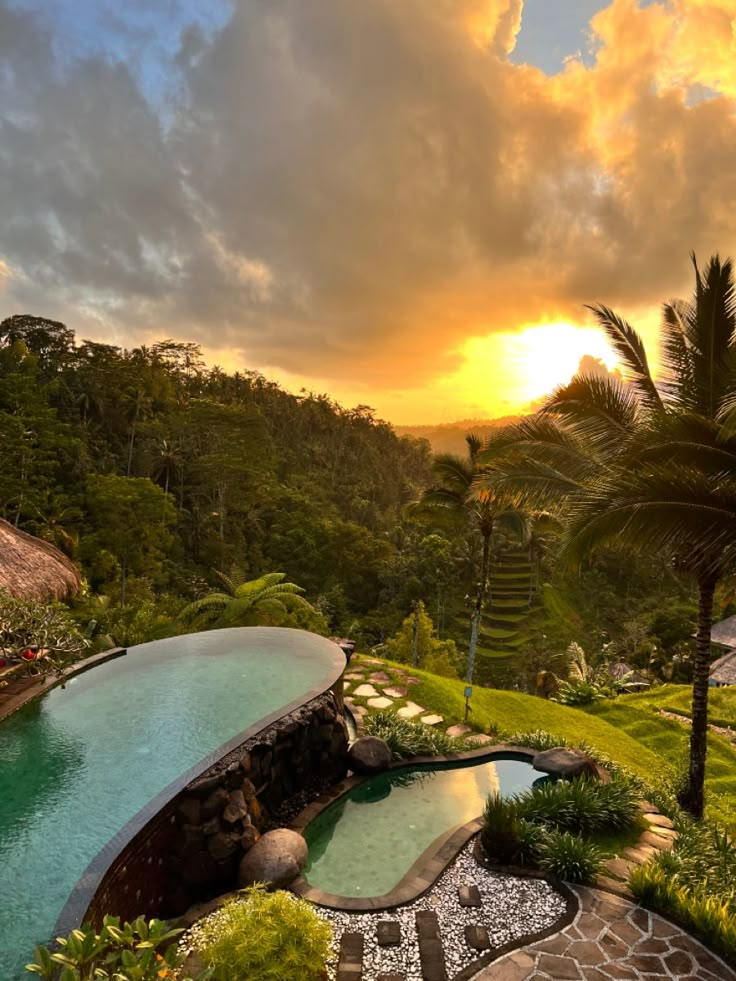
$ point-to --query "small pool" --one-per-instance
(78, 763)
(364, 843)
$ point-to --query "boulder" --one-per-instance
(276, 858)
(563, 762)
(369, 754)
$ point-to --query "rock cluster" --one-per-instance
(221, 816)
(369, 754)
(566, 763)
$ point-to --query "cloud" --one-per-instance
(357, 188)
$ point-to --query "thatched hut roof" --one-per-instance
(723, 671)
(32, 569)
(724, 632)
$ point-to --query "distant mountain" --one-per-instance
(449, 437)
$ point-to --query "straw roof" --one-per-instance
(724, 632)
(32, 569)
(723, 671)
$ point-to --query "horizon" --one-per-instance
(421, 238)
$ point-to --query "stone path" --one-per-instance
(611, 938)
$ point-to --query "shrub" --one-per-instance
(584, 806)
(27, 626)
(265, 936)
(538, 739)
(531, 837)
(500, 834)
(570, 857)
(130, 951)
(406, 739)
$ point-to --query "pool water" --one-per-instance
(78, 763)
(364, 843)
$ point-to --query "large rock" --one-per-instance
(276, 858)
(369, 754)
(563, 762)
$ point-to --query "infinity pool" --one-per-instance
(364, 843)
(79, 762)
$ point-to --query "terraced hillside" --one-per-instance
(508, 609)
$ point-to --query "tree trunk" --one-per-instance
(415, 637)
(478, 609)
(698, 736)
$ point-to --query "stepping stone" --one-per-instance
(477, 937)
(657, 821)
(480, 739)
(380, 678)
(618, 867)
(350, 962)
(656, 841)
(396, 692)
(411, 681)
(380, 703)
(365, 691)
(431, 954)
(646, 808)
(457, 731)
(410, 710)
(432, 720)
(469, 896)
(354, 677)
(389, 933)
(639, 855)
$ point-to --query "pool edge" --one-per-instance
(80, 899)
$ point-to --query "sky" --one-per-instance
(403, 203)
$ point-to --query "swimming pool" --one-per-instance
(78, 763)
(364, 843)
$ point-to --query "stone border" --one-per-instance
(47, 682)
(430, 865)
(74, 910)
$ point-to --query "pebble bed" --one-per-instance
(512, 908)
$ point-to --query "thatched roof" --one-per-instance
(636, 680)
(724, 633)
(723, 671)
(32, 569)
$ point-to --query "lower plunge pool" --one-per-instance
(78, 763)
(366, 842)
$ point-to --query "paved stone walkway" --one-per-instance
(611, 939)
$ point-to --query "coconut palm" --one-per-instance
(647, 466)
(455, 495)
(268, 599)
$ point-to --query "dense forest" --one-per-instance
(156, 474)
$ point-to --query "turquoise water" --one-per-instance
(364, 843)
(78, 763)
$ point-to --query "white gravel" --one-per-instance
(512, 907)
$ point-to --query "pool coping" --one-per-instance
(432, 862)
(80, 898)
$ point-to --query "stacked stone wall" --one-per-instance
(191, 850)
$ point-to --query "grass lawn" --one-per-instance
(634, 737)
(678, 698)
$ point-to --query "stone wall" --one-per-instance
(190, 851)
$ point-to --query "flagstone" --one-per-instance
(457, 731)
(410, 710)
(365, 691)
(432, 720)
(380, 703)
(396, 692)
(380, 678)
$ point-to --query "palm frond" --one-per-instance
(630, 348)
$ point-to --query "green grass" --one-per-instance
(635, 738)
(678, 698)
(670, 741)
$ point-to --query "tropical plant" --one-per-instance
(43, 637)
(583, 805)
(131, 952)
(456, 495)
(415, 642)
(500, 833)
(406, 739)
(569, 856)
(268, 599)
(645, 467)
(265, 936)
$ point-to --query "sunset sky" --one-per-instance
(404, 203)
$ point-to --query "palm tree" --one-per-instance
(648, 467)
(455, 494)
(267, 599)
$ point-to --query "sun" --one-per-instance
(510, 370)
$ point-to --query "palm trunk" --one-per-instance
(478, 609)
(698, 737)
(415, 638)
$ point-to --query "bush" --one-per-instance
(538, 739)
(406, 739)
(500, 834)
(531, 837)
(265, 936)
(48, 631)
(584, 806)
(570, 857)
(130, 951)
